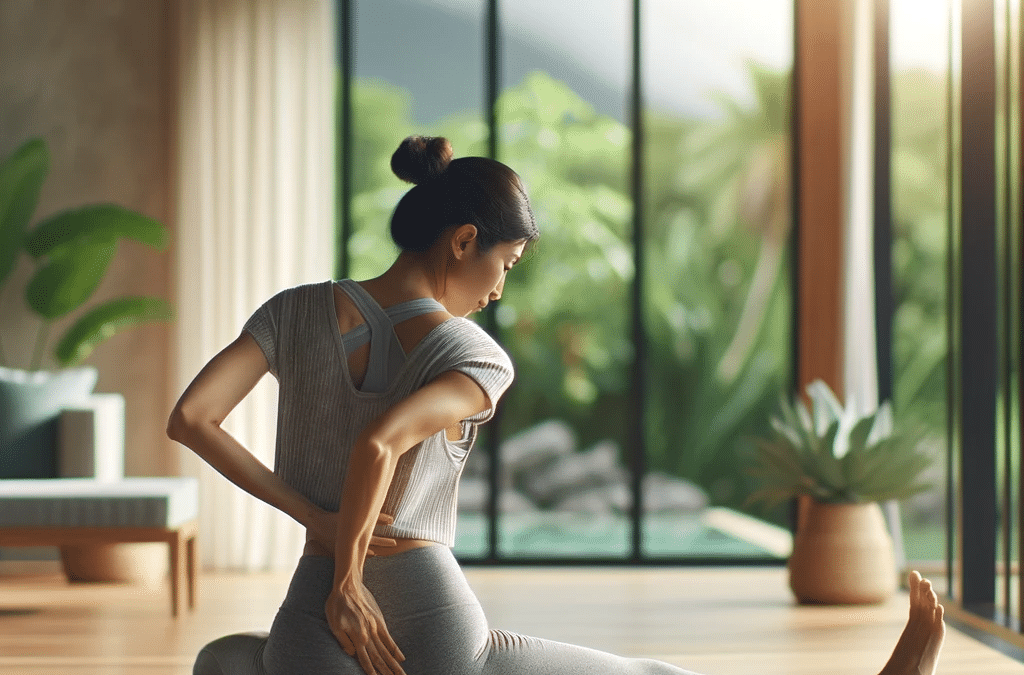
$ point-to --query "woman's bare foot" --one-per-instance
(917, 652)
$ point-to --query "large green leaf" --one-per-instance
(106, 320)
(21, 177)
(64, 282)
(68, 231)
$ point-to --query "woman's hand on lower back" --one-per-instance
(325, 526)
(358, 624)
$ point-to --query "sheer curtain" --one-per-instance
(255, 215)
(860, 363)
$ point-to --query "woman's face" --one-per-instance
(478, 277)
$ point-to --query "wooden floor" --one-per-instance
(715, 621)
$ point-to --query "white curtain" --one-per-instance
(860, 371)
(255, 215)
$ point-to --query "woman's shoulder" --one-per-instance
(299, 292)
(465, 339)
(469, 330)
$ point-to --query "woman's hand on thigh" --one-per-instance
(358, 624)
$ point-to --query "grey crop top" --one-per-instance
(321, 412)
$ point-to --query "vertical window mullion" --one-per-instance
(953, 410)
(492, 51)
(883, 204)
(638, 379)
(343, 120)
(1003, 239)
(978, 313)
(1015, 225)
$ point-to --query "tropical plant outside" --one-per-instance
(572, 352)
(920, 270)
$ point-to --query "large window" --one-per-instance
(654, 136)
(624, 384)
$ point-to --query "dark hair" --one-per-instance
(476, 190)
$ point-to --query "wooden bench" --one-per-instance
(76, 511)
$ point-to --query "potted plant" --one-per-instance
(840, 466)
(71, 251)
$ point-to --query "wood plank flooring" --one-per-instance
(714, 621)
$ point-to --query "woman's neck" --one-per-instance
(412, 275)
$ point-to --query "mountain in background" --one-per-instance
(438, 56)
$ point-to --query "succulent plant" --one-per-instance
(833, 455)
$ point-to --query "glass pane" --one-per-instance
(425, 83)
(564, 315)
(919, 38)
(717, 218)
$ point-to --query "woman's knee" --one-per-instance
(238, 654)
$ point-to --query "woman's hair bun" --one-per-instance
(420, 158)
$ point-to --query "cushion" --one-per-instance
(85, 502)
(30, 405)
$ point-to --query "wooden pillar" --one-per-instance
(821, 37)
(819, 127)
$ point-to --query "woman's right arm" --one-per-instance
(352, 612)
(196, 419)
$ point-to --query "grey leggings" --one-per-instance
(432, 614)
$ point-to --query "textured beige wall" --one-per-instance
(94, 78)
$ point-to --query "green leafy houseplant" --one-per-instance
(71, 250)
(834, 456)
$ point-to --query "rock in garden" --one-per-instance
(603, 500)
(575, 473)
(473, 495)
(664, 493)
(536, 448)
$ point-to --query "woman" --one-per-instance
(383, 384)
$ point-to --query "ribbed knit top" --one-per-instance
(321, 412)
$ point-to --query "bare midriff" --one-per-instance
(314, 547)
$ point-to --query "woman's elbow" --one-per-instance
(376, 441)
(177, 426)
(182, 424)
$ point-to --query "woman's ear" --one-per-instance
(461, 238)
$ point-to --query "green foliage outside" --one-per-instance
(920, 249)
(716, 217)
(920, 233)
(717, 307)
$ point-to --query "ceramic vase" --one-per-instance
(842, 555)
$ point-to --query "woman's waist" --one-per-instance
(402, 544)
